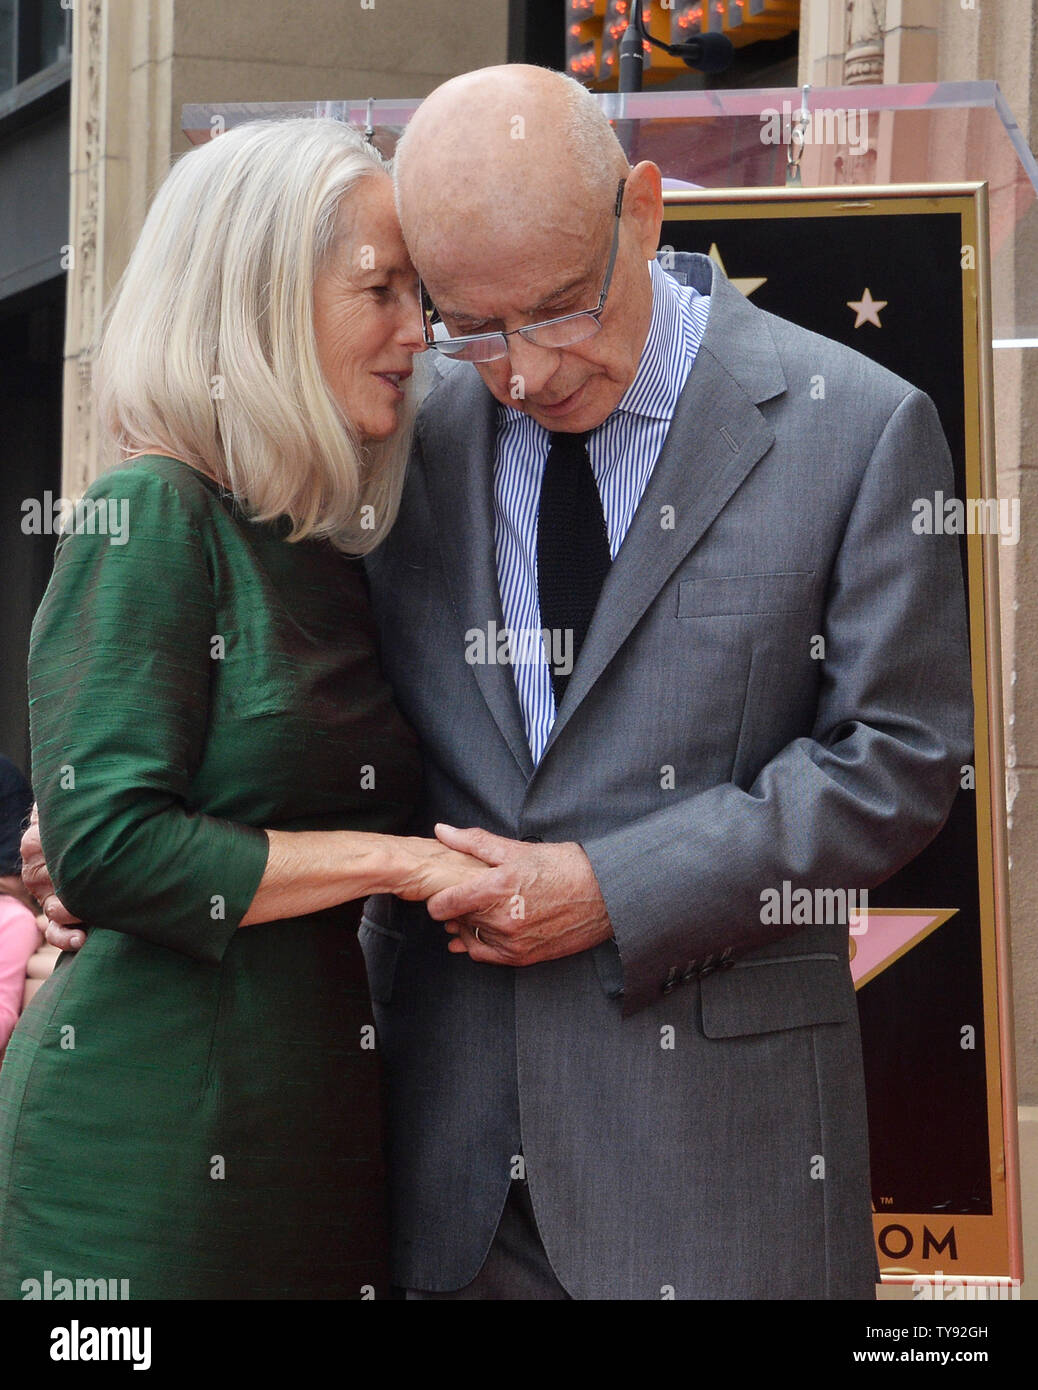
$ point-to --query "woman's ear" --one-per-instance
(643, 201)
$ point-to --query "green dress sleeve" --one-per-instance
(119, 673)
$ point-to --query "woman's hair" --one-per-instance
(208, 350)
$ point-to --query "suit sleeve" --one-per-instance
(872, 784)
(119, 670)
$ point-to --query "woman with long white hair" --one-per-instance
(190, 1104)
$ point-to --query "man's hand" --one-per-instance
(535, 902)
(37, 880)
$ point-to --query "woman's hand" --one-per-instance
(60, 930)
(309, 870)
(424, 867)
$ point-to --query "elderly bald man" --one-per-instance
(622, 1079)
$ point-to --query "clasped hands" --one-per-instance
(534, 902)
(529, 902)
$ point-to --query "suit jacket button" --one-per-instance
(533, 840)
(671, 980)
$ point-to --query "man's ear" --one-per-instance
(643, 202)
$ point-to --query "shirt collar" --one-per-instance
(667, 355)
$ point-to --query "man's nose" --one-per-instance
(531, 367)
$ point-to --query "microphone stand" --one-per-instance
(708, 53)
(632, 55)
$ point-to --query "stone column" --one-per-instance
(119, 149)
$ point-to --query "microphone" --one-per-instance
(631, 58)
(706, 52)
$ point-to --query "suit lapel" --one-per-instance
(458, 432)
(716, 437)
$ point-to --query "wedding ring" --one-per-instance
(478, 937)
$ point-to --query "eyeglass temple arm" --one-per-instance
(616, 242)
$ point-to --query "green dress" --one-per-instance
(186, 1105)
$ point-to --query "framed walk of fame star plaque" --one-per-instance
(901, 275)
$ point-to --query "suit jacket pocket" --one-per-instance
(764, 996)
(381, 946)
(735, 595)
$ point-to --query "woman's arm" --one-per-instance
(119, 672)
(308, 870)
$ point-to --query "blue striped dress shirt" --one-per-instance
(623, 452)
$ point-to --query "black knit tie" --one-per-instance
(572, 551)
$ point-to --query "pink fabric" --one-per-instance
(19, 939)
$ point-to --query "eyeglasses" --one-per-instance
(550, 333)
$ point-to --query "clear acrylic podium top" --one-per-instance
(915, 133)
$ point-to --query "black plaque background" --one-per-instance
(928, 1121)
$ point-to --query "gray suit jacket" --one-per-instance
(689, 1100)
